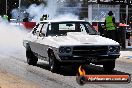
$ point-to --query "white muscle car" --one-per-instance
(70, 42)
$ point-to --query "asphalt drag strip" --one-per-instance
(64, 78)
(12, 81)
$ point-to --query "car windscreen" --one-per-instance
(62, 28)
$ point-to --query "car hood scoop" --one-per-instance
(77, 38)
(82, 38)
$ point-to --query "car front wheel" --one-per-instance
(53, 63)
(31, 58)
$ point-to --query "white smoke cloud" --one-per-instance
(10, 37)
(18, 15)
(68, 17)
(15, 13)
(36, 11)
(55, 9)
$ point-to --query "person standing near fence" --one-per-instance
(110, 26)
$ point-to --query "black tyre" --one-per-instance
(31, 58)
(109, 66)
(54, 65)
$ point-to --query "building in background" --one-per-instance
(94, 10)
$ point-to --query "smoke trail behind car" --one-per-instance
(55, 9)
(10, 37)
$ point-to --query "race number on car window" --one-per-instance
(67, 26)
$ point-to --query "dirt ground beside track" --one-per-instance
(12, 81)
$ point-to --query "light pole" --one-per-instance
(126, 13)
(19, 11)
(6, 7)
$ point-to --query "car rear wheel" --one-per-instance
(31, 58)
(54, 65)
(109, 66)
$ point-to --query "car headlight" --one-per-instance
(68, 49)
(65, 49)
(113, 49)
(62, 50)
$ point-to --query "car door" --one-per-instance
(42, 41)
(34, 44)
(39, 46)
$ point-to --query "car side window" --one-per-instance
(37, 29)
(34, 29)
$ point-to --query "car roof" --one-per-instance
(54, 21)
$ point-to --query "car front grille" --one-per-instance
(89, 50)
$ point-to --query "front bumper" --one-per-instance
(95, 58)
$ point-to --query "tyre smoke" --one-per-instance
(56, 9)
(10, 37)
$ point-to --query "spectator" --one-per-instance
(110, 26)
